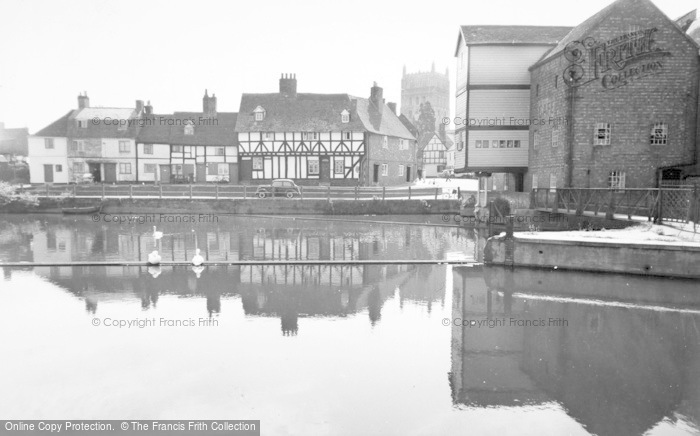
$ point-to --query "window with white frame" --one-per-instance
(339, 165)
(124, 168)
(48, 143)
(403, 144)
(219, 151)
(147, 148)
(124, 147)
(77, 145)
(223, 169)
(345, 116)
(78, 167)
(347, 136)
(312, 166)
(659, 134)
(259, 113)
(401, 170)
(385, 169)
(552, 182)
(309, 136)
(59, 168)
(616, 180)
(257, 163)
(189, 128)
(385, 142)
(534, 181)
(268, 136)
(83, 124)
(601, 134)
(149, 168)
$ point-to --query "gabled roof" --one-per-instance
(114, 113)
(170, 129)
(587, 27)
(507, 35)
(409, 125)
(317, 113)
(58, 128)
(425, 139)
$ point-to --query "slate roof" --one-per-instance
(425, 139)
(584, 29)
(58, 128)
(169, 129)
(14, 141)
(546, 35)
(409, 125)
(317, 113)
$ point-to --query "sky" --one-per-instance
(169, 52)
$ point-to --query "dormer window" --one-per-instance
(83, 124)
(345, 116)
(259, 113)
(189, 128)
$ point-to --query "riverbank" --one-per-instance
(642, 250)
(269, 206)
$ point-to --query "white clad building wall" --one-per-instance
(48, 154)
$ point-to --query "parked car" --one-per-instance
(279, 187)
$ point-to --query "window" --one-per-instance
(147, 148)
(347, 136)
(401, 169)
(516, 143)
(259, 113)
(601, 135)
(310, 136)
(219, 151)
(124, 147)
(223, 169)
(385, 142)
(659, 134)
(189, 128)
(509, 143)
(477, 143)
(82, 124)
(124, 168)
(345, 116)
(48, 143)
(177, 170)
(78, 167)
(268, 136)
(77, 145)
(339, 165)
(556, 137)
(257, 163)
(552, 182)
(59, 168)
(177, 148)
(402, 144)
(313, 165)
(616, 180)
(534, 181)
(385, 169)
(149, 168)
(502, 144)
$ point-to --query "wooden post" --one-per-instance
(75, 193)
(409, 192)
(190, 191)
(436, 193)
(328, 194)
(160, 189)
(103, 191)
(659, 219)
(383, 193)
(131, 192)
(533, 198)
(610, 213)
(459, 193)
(301, 192)
(245, 191)
(357, 189)
(47, 189)
(217, 191)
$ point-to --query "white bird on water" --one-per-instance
(154, 258)
(156, 233)
(197, 259)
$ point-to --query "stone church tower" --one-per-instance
(420, 87)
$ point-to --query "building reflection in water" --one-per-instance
(622, 365)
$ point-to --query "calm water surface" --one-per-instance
(349, 350)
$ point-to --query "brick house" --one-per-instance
(616, 103)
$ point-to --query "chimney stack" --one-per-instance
(392, 106)
(209, 105)
(139, 106)
(376, 95)
(83, 101)
(148, 108)
(288, 85)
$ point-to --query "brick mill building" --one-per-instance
(330, 139)
(628, 79)
(612, 102)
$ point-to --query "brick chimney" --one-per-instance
(288, 85)
(376, 95)
(139, 106)
(392, 106)
(83, 101)
(148, 108)
(209, 105)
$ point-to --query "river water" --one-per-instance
(336, 349)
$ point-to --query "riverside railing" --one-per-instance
(655, 204)
(224, 191)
